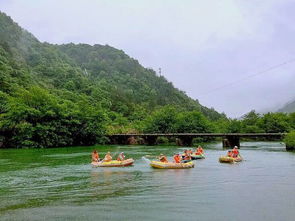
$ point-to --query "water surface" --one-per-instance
(60, 184)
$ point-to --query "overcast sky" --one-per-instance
(212, 49)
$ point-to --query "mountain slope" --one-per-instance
(80, 67)
(50, 93)
(288, 108)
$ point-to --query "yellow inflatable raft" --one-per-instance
(161, 165)
(197, 156)
(226, 159)
(113, 163)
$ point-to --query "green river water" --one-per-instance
(60, 184)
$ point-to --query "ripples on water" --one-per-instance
(60, 184)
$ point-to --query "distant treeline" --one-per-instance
(35, 118)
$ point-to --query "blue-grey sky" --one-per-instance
(206, 48)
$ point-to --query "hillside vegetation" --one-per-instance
(59, 95)
(64, 95)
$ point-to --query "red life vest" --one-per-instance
(235, 151)
(176, 158)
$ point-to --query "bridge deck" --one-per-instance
(206, 134)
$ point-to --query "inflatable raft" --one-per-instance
(197, 156)
(226, 159)
(161, 165)
(113, 163)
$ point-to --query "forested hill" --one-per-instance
(288, 108)
(126, 78)
(58, 95)
(83, 68)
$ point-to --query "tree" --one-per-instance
(292, 120)
(290, 140)
(274, 123)
(161, 121)
(192, 122)
(250, 123)
(234, 126)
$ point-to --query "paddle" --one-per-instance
(151, 156)
(146, 160)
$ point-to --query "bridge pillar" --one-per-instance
(117, 140)
(150, 140)
(178, 142)
(231, 141)
(123, 140)
(186, 141)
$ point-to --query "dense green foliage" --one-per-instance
(258, 123)
(36, 118)
(290, 139)
(172, 120)
(60, 95)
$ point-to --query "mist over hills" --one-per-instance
(288, 108)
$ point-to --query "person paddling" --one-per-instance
(121, 157)
(187, 157)
(108, 157)
(199, 150)
(95, 156)
(163, 158)
(177, 158)
(235, 151)
(229, 153)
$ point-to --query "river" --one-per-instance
(60, 184)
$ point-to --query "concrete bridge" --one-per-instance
(186, 139)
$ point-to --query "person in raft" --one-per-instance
(163, 158)
(121, 157)
(229, 153)
(235, 151)
(95, 156)
(177, 158)
(187, 156)
(108, 157)
(199, 150)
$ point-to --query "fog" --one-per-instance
(233, 55)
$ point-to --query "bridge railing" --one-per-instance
(205, 134)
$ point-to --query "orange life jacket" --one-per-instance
(235, 152)
(200, 151)
(176, 158)
(164, 159)
(187, 157)
(95, 156)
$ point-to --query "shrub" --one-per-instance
(290, 140)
